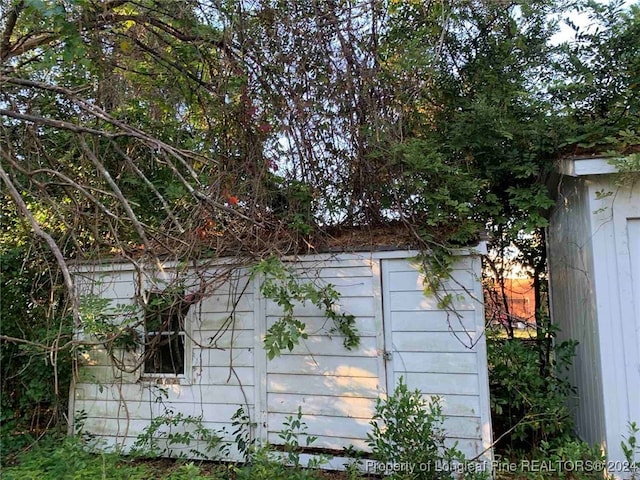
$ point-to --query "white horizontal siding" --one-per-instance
(324, 405)
(219, 381)
(441, 383)
(349, 287)
(359, 306)
(236, 375)
(115, 286)
(218, 303)
(207, 320)
(406, 264)
(324, 365)
(122, 442)
(335, 443)
(337, 427)
(454, 342)
(400, 282)
(236, 356)
(336, 388)
(320, 325)
(230, 339)
(437, 362)
(439, 352)
(146, 410)
(417, 301)
(457, 405)
(336, 385)
(104, 374)
(169, 394)
(122, 426)
(434, 321)
(317, 346)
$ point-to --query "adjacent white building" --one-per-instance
(594, 262)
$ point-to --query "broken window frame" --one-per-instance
(167, 313)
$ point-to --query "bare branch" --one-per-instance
(114, 186)
(22, 207)
(128, 130)
(57, 123)
(12, 18)
(89, 22)
(27, 43)
(151, 186)
(67, 181)
(174, 32)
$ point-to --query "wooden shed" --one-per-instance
(403, 332)
(594, 262)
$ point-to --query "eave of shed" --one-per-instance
(121, 264)
(583, 166)
(383, 241)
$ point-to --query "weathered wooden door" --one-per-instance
(335, 388)
(440, 352)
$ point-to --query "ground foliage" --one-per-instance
(421, 444)
(528, 405)
(408, 430)
(530, 415)
(196, 130)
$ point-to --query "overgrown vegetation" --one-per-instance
(408, 432)
(282, 285)
(35, 372)
(529, 398)
(529, 409)
(264, 462)
(57, 457)
(174, 434)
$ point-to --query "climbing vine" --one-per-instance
(282, 285)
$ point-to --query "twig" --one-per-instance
(22, 207)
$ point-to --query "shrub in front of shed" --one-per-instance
(529, 402)
(408, 437)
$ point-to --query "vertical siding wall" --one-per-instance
(612, 220)
(593, 251)
(336, 388)
(573, 303)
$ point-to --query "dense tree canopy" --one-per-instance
(207, 128)
(149, 124)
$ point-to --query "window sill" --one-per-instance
(161, 379)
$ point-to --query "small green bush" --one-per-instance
(531, 420)
(265, 463)
(176, 434)
(408, 431)
(528, 400)
(631, 449)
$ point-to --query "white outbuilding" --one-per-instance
(594, 263)
(216, 361)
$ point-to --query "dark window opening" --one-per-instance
(165, 334)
